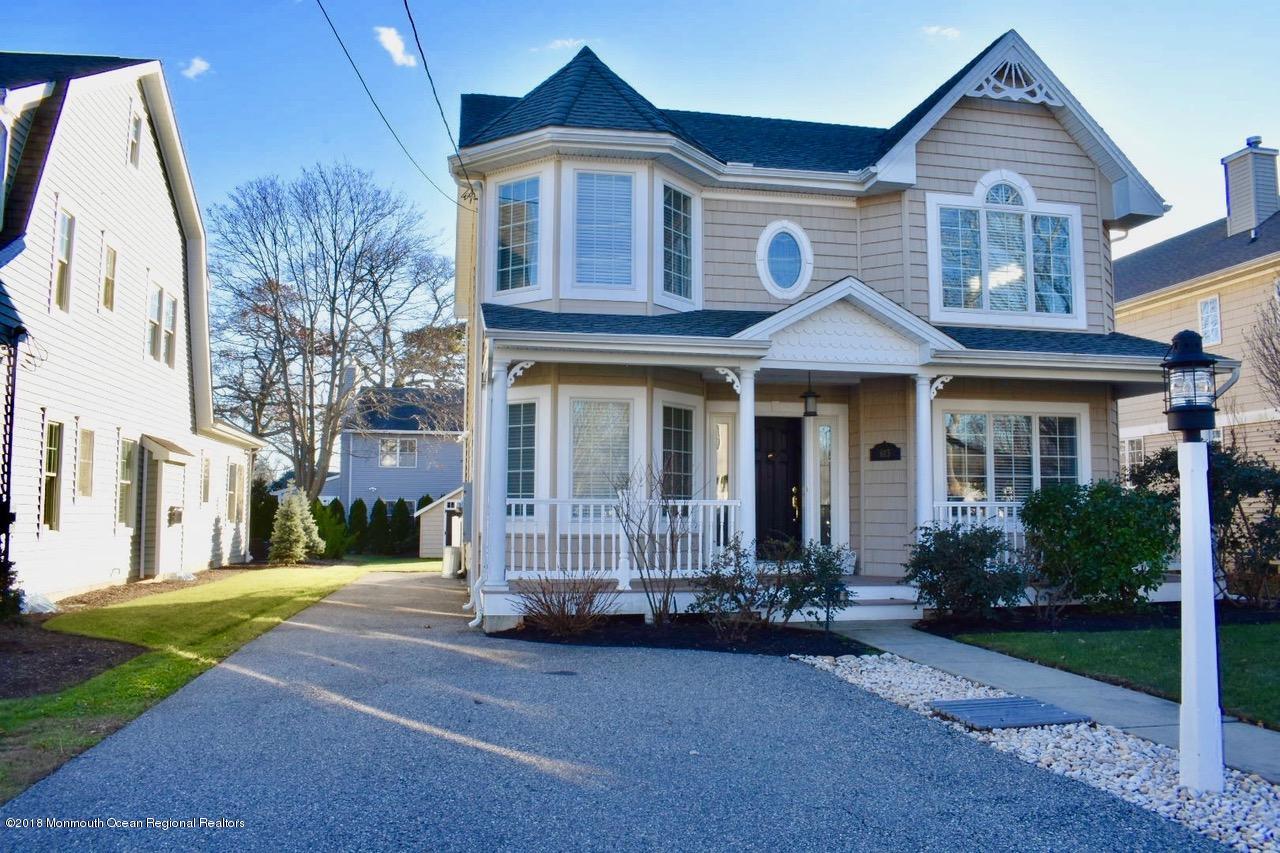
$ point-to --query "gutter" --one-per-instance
(640, 344)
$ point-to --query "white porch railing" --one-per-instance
(1003, 515)
(554, 535)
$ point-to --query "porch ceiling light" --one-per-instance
(810, 398)
(1190, 388)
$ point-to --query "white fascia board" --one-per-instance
(1134, 199)
(864, 297)
(223, 431)
(698, 165)
(14, 101)
(448, 496)
(637, 349)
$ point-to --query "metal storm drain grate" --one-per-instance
(1014, 712)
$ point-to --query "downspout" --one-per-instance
(1226, 386)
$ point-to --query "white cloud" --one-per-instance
(197, 66)
(935, 31)
(393, 43)
(562, 44)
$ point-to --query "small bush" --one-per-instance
(739, 594)
(10, 594)
(358, 524)
(1099, 544)
(821, 591)
(338, 512)
(377, 539)
(959, 569)
(565, 604)
(404, 533)
(294, 536)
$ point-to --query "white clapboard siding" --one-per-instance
(88, 367)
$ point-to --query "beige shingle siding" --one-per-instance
(91, 363)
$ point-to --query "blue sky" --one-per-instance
(1176, 84)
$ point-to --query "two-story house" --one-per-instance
(1219, 279)
(119, 470)
(816, 332)
(399, 443)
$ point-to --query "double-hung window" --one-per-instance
(170, 329)
(601, 452)
(126, 493)
(1210, 320)
(64, 249)
(51, 499)
(521, 456)
(135, 139)
(603, 229)
(398, 453)
(518, 217)
(1131, 456)
(109, 261)
(677, 243)
(155, 323)
(677, 453)
(995, 456)
(84, 464)
(235, 492)
(1003, 253)
(206, 470)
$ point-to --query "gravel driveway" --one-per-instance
(377, 720)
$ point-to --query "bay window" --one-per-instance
(1002, 253)
(677, 243)
(602, 229)
(677, 453)
(1004, 456)
(521, 455)
(600, 449)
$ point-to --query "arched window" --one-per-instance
(1001, 250)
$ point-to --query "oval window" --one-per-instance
(784, 260)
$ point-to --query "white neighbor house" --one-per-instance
(656, 289)
(120, 470)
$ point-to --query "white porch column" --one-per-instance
(747, 455)
(924, 450)
(495, 534)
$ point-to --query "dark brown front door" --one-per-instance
(777, 480)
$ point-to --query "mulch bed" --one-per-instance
(35, 661)
(121, 593)
(693, 632)
(1077, 618)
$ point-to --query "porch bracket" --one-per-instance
(517, 371)
(731, 378)
(937, 385)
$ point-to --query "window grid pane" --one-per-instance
(1006, 261)
(1011, 457)
(518, 234)
(961, 258)
(521, 455)
(601, 448)
(50, 512)
(125, 495)
(677, 243)
(84, 464)
(602, 238)
(109, 280)
(408, 455)
(677, 452)
(1059, 450)
(1051, 249)
(966, 457)
(1210, 321)
(388, 453)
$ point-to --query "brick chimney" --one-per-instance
(1252, 194)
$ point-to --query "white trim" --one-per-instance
(545, 173)
(641, 197)
(1080, 411)
(662, 179)
(770, 231)
(663, 397)
(1031, 206)
(1217, 314)
(447, 497)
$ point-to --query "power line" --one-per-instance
(469, 194)
(381, 114)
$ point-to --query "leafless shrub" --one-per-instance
(567, 603)
(656, 526)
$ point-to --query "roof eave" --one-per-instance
(595, 342)
(1174, 291)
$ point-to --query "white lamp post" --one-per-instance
(1189, 404)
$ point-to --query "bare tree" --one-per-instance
(313, 277)
(1264, 345)
(656, 526)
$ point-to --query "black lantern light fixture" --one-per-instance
(1190, 388)
(810, 398)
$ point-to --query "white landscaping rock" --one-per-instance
(1245, 816)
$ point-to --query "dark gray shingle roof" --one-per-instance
(1065, 343)
(383, 409)
(706, 323)
(586, 93)
(25, 69)
(1198, 252)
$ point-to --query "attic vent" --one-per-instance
(1013, 81)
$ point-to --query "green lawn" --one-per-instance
(187, 631)
(1148, 660)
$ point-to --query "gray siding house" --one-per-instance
(399, 443)
(119, 470)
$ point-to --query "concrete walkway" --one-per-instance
(1246, 747)
(376, 720)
